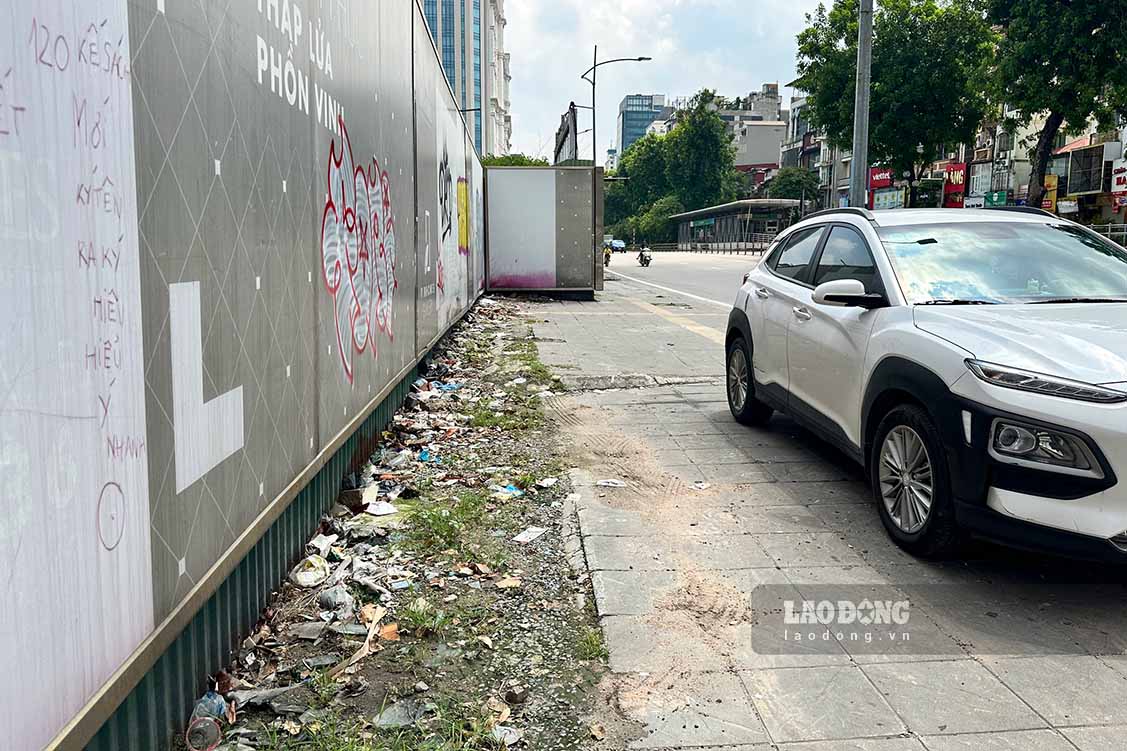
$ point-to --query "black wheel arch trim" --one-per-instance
(973, 471)
(738, 324)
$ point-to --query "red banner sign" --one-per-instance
(954, 186)
(880, 177)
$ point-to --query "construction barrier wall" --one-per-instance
(231, 230)
(541, 229)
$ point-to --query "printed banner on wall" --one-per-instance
(74, 533)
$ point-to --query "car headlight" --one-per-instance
(1024, 380)
(1014, 442)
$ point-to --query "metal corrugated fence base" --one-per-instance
(159, 707)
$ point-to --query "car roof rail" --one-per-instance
(1023, 210)
(855, 210)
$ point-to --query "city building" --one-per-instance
(498, 120)
(635, 113)
(465, 52)
(659, 127)
(802, 144)
(749, 224)
(612, 159)
(757, 147)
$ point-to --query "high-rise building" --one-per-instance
(456, 26)
(612, 159)
(635, 113)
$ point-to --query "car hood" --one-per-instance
(1083, 341)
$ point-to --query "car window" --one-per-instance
(792, 261)
(847, 256)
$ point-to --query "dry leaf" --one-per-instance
(499, 709)
(486, 641)
(598, 732)
(293, 727)
(370, 612)
(509, 582)
(389, 632)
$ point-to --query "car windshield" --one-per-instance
(1004, 262)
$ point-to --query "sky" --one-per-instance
(733, 46)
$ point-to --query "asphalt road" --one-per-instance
(713, 277)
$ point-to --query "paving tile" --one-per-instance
(820, 703)
(858, 744)
(770, 454)
(819, 471)
(1095, 739)
(735, 474)
(1012, 740)
(728, 455)
(958, 696)
(707, 709)
(640, 644)
(828, 493)
(630, 592)
(713, 595)
(694, 428)
(596, 518)
(778, 519)
(1066, 689)
(808, 549)
(665, 552)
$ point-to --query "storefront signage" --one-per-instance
(880, 177)
(954, 186)
(888, 198)
(703, 222)
(1068, 206)
(1119, 176)
(974, 202)
(996, 198)
(1049, 198)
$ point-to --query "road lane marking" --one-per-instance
(725, 305)
(707, 332)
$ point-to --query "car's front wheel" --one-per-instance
(912, 483)
(741, 388)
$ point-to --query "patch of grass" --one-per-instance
(324, 687)
(423, 618)
(443, 524)
(591, 646)
(332, 734)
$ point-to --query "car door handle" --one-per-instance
(802, 314)
(762, 293)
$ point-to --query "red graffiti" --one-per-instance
(358, 251)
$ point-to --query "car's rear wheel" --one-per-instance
(912, 483)
(741, 388)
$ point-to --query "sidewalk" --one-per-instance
(1007, 651)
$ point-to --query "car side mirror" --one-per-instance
(848, 293)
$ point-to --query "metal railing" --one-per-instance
(756, 242)
(1114, 232)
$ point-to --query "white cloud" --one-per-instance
(733, 46)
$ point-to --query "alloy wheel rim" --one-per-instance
(737, 378)
(906, 482)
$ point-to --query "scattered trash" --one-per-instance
(322, 661)
(389, 632)
(311, 572)
(349, 629)
(321, 544)
(401, 714)
(506, 492)
(547, 482)
(509, 736)
(210, 705)
(338, 600)
(611, 484)
(517, 382)
(701, 485)
(516, 695)
(509, 582)
(381, 508)
(309, 631)
(204, 734)
(486, 641)
(529, 534)
(448, 387)
(400, 459)
(598, 731)
(422, 687)
(259, 697)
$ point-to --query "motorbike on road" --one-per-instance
(645, 257)
(606, 256)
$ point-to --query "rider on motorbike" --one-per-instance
(645, 255)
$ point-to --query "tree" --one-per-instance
(1062, 60)
(513, 160)
(930, 64)
(794, 182)
(699, 155)
(655, 225)
(644, 166)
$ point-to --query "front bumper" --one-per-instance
(1033, 508)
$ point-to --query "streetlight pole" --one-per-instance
(595, 146)
(858, 176)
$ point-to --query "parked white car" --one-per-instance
(974, 361)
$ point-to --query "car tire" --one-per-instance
(902, 435)
(741, 386)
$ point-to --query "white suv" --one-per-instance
(974, 361)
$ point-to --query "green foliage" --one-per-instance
(930, 62)
(423, 618)
(591, 646)
(699, 154)
(689, 168)
(1065, 59)
(513, 160)
(793, 182)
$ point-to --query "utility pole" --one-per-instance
(859, 171)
